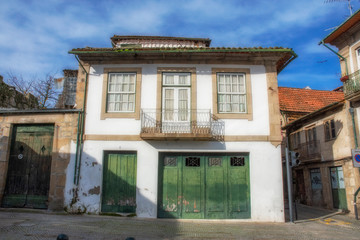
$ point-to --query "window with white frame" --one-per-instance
(121, 92)
(329, 128)
(231, 93)
(176, 96)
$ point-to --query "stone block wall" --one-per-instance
(65, 131)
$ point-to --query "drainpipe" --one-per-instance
(77, 146)
(289, 180)
(81, 123)
(351, 110)
(355, 208)
(343, 58)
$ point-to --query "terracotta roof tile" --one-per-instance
(306, 100)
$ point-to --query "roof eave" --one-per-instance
(312, 114)
(340, 29)
(282, 62)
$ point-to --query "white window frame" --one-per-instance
(176, 86)
(241, 93)
(128, 93)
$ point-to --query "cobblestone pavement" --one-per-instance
(21, 224)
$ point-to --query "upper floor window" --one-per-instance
(358, 57)
(231, 93)
(329, 128)
(295, 139)
(311, 135)
(121, 92)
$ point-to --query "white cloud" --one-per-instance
(35, 36)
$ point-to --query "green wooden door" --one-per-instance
(197, 186)
(28, 177)
(119, 182)
(192, 197)
(338, 188)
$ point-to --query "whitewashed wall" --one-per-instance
(265, 161)
(258, 126)
(266, 191)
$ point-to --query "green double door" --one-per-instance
(119, 182)
(29, 169)
(210, 186)
(338, 188)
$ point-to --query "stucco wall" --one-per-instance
(265, 174)
(64, 134)
(258, 126)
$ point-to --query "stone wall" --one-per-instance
(65, 131)
(351, 179)
(10, 98)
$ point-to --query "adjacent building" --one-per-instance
(325, 136)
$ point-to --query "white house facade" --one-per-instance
(176, 129)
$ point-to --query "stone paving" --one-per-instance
(23, 224)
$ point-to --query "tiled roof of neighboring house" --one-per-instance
(306, 100)
(206, 41)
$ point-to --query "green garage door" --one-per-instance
(119, 182)
(208, 186)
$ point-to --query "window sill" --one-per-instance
(120, 115)
(247, 116)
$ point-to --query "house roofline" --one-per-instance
(348, 23)
(313, 114)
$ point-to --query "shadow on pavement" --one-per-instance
(304, 212)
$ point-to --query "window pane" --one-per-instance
(111, 106)
(333, 132)
(327, 131)
(182, 79)
(242, 85)
(235, 85)
(169, 79)
(221, 79)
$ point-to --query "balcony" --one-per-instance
(309, 151)
(352, 85)
(195, 125)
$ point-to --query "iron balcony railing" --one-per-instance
(352, 85)
(182, 122)
(309, 151)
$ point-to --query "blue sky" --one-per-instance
(35, 36)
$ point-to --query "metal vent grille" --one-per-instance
(170, 161)
(215, 162)
(192, 162)
(237, 161)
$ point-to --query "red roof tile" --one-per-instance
(306, 100)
